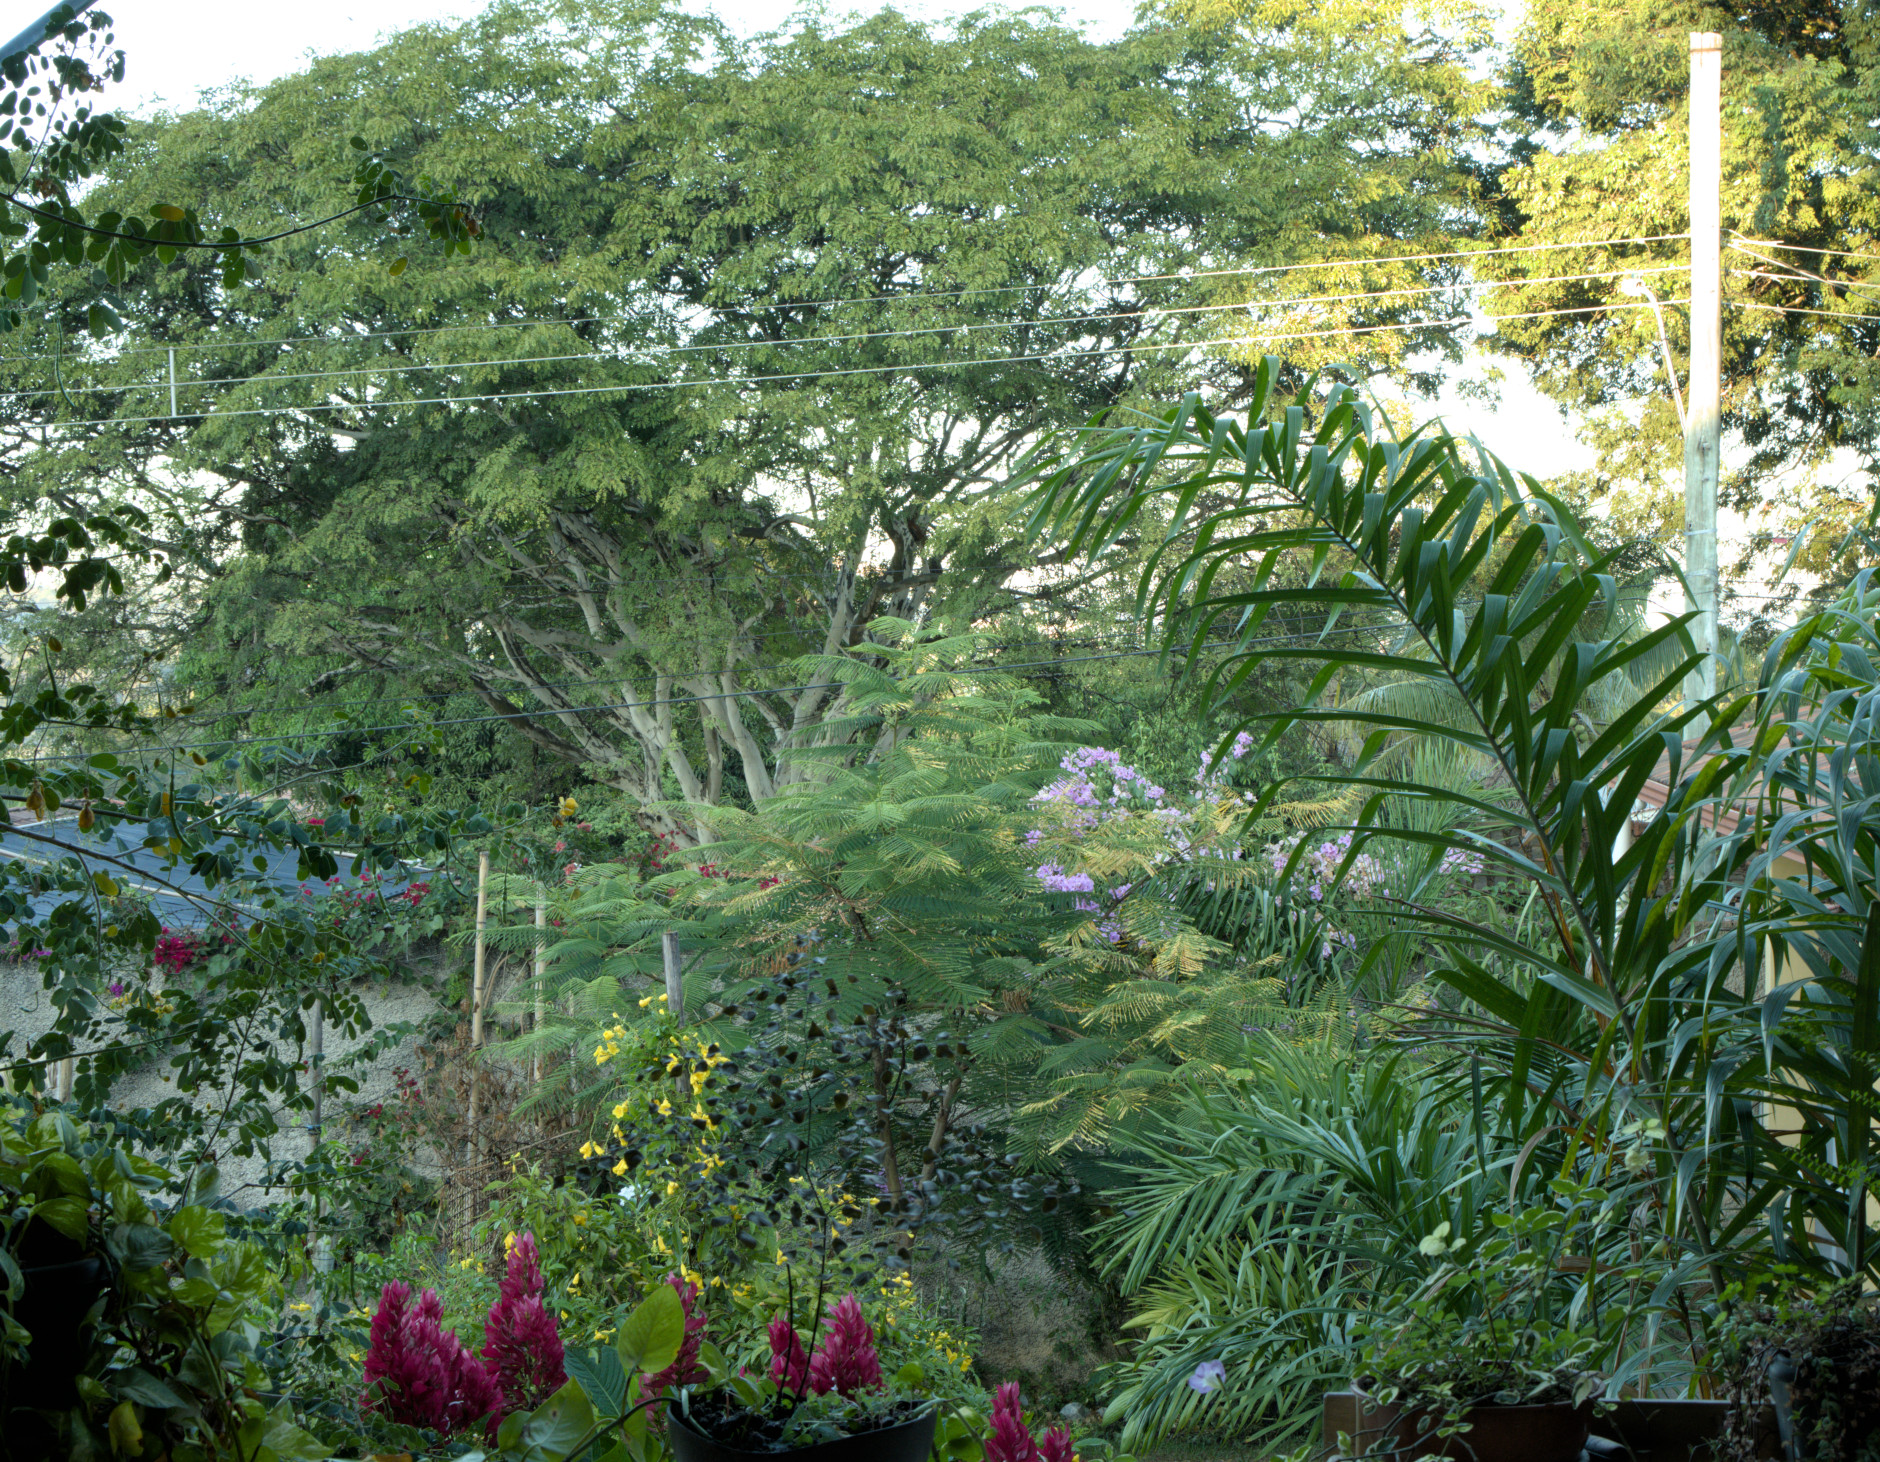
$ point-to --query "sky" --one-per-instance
(177, 49)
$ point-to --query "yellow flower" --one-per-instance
(300, 1305)
(620, 1111)
(620, 1168)
(588, 1149)
(671, 1188)
(648, 1001)
(580, 1220)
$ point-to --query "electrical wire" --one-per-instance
(641, 353)
(905, 367)
(1405, 258)
(1799, 310)
(901, 299)
(1806, 248)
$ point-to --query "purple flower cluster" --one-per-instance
(1211, 777)
(1318, 868)
(1098, 784)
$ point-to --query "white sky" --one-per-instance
(178, 48)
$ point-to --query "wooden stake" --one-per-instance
(316, 1065)
(675, 1001)
(541, 978)
(675, 988)
(476, 1006)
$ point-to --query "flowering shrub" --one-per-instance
(418, 1372)
(844, 1362)
(1010, 1439)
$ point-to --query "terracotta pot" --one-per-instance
(911, 1441)
(1550, 1432)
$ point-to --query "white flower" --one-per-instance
(1435, 1245)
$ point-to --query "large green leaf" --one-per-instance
(651, 1335)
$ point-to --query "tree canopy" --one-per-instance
(755, 335)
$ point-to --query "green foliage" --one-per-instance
(1697, 989)
(44, 92)
(174, 1346)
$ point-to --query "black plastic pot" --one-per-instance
(911, 1441)
(53, 1305)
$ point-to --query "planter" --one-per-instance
(1549, 1432)
(911, 1441)
(53, 1305)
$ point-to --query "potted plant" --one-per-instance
(826, 1402)
(1496, 1356)
(1814, 1356)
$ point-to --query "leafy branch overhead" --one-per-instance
(59, 141)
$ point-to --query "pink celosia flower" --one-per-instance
(521, 1345)
(789, 1367)
(417, 1372)
(685, 1368)
(1056, 1446)
(1010, 1440)
(846, 1362)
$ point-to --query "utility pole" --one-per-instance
(1702, 422)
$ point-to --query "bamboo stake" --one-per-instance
(476, 1003)
(675, 1001)
(541, 978)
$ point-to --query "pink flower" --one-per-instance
(685, 1368)
(417, 1372)
(561, 847)
(521, 1345)
(789, 1367)
(1010, 1440)
(1056, 1446)
(846, 1362)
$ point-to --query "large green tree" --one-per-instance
(756, 334)
(1598, 96)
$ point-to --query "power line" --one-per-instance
(663, 352)
(913, 297)
(906, 366)
(1800, 310)
(1807, 249)
(1407, 258)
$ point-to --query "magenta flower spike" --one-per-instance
(521, 1342)
(846, 1361)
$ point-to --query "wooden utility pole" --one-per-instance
(1703, 442)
